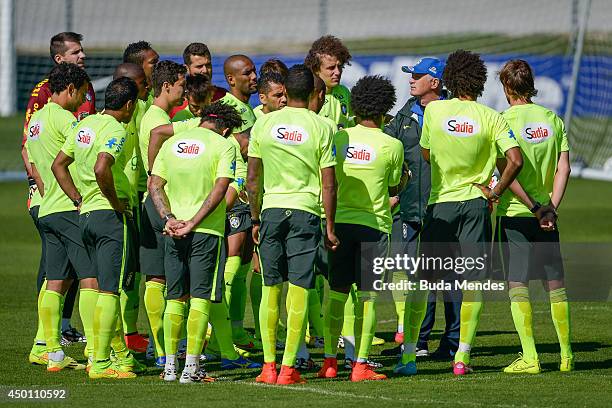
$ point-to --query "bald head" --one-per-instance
(136, 73)
(241, 76)
(235, 63)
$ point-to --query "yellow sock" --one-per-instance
(222, 330)
(50, 314)
(155, 303)
(87, 309)
(105, 324)
(130, 305)
(197, 323)
(470, 316)
(174, 319)
(40, 332)
(415, 308)
(232, 265)
(297, 310)
(520, 306)
(268, 319)
(118, 341)
(334, 318)
(559, 310)
(368, 325)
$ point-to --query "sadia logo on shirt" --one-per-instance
(34, 130)
(460, 126)
(188, 148)
(289, 134)
(358, 153)
(536, 132)
(85, 137)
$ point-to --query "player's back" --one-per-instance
(47, 133)
(462, 137)
(99, 133)
(291, 143)
(191, 162)
(541, 135)
(369, 162)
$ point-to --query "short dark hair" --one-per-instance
(326, 45)
(196, 48)
(134, 52)
(372, 97)
(119, 92)
(299, 82)
(517, 77)
(58, 42)
(274, 65)
(166, 71)
(263, 84)
(64, 74)
(222, 115)
(198, 87)
(465, 74)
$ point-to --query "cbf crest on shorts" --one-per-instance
(234, 221)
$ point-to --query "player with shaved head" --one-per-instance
(241, 77)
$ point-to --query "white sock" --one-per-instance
(349, 347)
(464, 348)
(400, 327)
(56, 355)
(65, 324)
(170, 362)
(191, 362)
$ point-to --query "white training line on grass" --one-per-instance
(361, 396)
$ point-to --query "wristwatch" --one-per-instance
(168, 216)
(77, 202)
(535, 208)
(255, 221)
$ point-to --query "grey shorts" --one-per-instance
(288, 244)
(523, 251)
(65, 253)
(195, 266)
(108, 237)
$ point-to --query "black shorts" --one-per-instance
(523, 251)
(108, 238)
(239, 218)
(195, 266)
(152, 242)
(353, 260)
(66, 256)
(461, 231)
(288, 243)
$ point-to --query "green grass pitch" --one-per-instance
(585, 217)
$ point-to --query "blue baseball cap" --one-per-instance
(429, 65)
